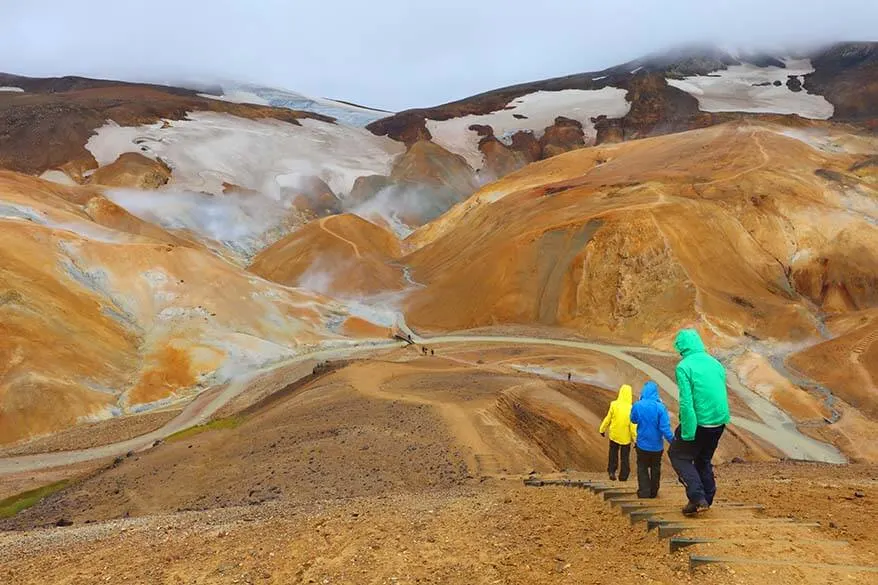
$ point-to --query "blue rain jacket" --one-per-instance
(651, 418)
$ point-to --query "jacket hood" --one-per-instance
(688, 342)
(625, 394)
(650, 391)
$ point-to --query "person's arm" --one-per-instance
(665, 425)
(607, 420)
(633, 430)
(635, 414)
(687, 406)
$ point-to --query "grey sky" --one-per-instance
(394, 53)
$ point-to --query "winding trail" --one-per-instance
(339, 236)
(765, 160)
(197, 412)
(776, 426)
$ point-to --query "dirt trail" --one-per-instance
(486, 441)
(776, 428)
(765, 160)
(340, 237)
(196, 412)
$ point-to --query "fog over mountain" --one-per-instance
(395, 54)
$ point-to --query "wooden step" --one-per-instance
(680, 542)
(806, 550)
(696, 561)
(676, 514)
(634, 505)
(666, 530)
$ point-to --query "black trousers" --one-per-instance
(692, 462)
(615, 451)
(649, 473)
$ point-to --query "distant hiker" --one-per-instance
(569, 375)
(653, 424)
(704, 413)
(622, 433)
(432, 352)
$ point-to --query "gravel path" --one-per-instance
(777, 428)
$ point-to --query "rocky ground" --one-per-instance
(93, 435)
(407, 469)
(481, 532)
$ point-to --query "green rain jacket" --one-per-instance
(702, 382)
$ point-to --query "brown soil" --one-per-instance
(415, 424)
(848, 364)
(497, 531)
(132, 170)
(350, 253)
(601, 240)
(406, 469)
(47, 126)
(94, 434)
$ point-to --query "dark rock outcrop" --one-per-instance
(609, 130)
(563, 136)
(763, 60)
(527, 144)
(659, 108)
(313, 196)
(500, 159)
(47, 126)
(367, 187)
(846, 74)
(424, 183)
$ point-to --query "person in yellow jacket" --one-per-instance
(622, 433)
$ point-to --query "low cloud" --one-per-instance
(422, 55)
(404, 207)
(244, 223)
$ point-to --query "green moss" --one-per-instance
(15, 504)
(218, 424)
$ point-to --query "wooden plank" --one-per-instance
(668, 530)
(707, 522)
(645, 514)
(680, 542)
(635, 505)
(696, 561)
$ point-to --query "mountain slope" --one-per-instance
(678, 90)
(721, 227)
(47, 125)
(109, 315)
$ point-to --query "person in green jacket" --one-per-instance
(704, 414)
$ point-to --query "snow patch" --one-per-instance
(748, 88)
(348, 114)
(83, 229)
(8, 89)
(209, 148)
(237, 97)
(59, 177)
(821, 141)
(244, 224)
(540, 108)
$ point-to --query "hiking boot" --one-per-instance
(612, 477)
(693, 508)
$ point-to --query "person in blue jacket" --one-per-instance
(653, 424)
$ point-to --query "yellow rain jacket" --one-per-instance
(618, 419)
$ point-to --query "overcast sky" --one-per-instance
(394, 54)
